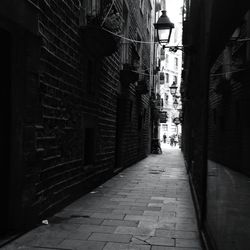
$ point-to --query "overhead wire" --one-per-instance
(120, 36)
(140, 73)
(110, 8)
(129, 39)
(115, 34)
(123, 37)
(133, 40)
(228, 72)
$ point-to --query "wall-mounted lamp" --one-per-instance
(180, 113)
(184, 48)
(175, 104)
(164, 28)
(173, 89)
(176, 121)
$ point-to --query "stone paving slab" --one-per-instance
(117, 246)
(146, 207)
(81, 245)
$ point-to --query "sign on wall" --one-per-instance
(163, 117)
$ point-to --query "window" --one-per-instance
(149, 20)
(138, 45)
(176, 62)
(125, 16)
(175, 79)
(125, 31)
(149, 11)
(92, 7)
(176, 35)
(142, 6)
(162, 78)
(137, 55)
(167, 77)
(142, 118)
(165, 127)
(186, 10)
(166, 59)
(162, 103)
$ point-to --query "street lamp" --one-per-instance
(180, 114)
(173, 89)
(175, 104)
(176, 121)
(164, 28)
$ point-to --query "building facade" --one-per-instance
(78, 76)
(215, 126)
(170, 72)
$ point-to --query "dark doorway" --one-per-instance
(119, 131)
(5, 107)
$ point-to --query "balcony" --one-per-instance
(156, 102)
(130, 63)
(98, 37)
(155, 115)
(143, 86)
(98, 41)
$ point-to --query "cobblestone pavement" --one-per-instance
(147, 206)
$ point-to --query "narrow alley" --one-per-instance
(89, 90)
(147, 206)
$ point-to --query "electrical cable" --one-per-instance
(123, 37)
(140, 73)
(224, 73)
(104, 19)
(243, 39)
(128, 39)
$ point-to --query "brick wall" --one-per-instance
(135, 136)
(68, 112)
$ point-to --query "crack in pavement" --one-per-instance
(145, 241)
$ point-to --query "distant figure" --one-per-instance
(175, 140)
(172, 141)
(179, 140)
(164, 138)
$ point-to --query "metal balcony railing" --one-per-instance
(129, 55)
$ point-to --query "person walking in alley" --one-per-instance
(164, 138)
(171, 141)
